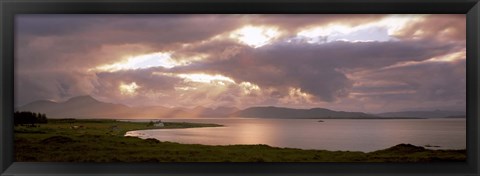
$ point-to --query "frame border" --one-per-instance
(9, 8)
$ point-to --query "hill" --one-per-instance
(423, 114)
(279, 112)
(76, 107)
(83, 107)
(89, 107)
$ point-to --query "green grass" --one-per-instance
(97, 142)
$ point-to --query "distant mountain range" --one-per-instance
(89, 107)
(425, 114)
(278, 112)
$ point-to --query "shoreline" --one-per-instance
(319, 118)
(96, 142)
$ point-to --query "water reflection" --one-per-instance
(353, 135)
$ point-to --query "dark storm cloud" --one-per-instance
(148, 84)
(56, 56)
(143, 78)
(66, 43)
(430, 81)
(54, 25)
(430, 85)
(316, 69)
(117, 29)
(78, 39)
(51, 85)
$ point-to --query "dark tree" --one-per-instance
(150, 123)
(28, 118)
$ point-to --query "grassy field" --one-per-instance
(103, 141)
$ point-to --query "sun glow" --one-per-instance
(128, 89)
(255, 36)
(296, 96)
(451, 57)
(159, 59)
(206, 78)
(249, 87)
(200, 77)
(395, 23)
(325, 30)
(382, 30)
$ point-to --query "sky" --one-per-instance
(369, 63)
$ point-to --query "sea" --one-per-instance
(364, 135)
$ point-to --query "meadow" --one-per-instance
(73, 140)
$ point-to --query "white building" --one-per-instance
(158, 124)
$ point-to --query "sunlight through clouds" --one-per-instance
(296, 96)
(244, 60)
(248, 87)
(199, 77)
(205, 78)
(254, 36)
(382, 30)
(159, 59)
(451, 57)
(128, 89)
(395, 23)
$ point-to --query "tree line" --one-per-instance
(28, 118)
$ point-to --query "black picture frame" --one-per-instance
(9, 8)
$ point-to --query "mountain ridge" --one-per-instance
(425, 114)
(282, 112)
(87, 106)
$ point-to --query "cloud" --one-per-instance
(428, 85)
(441, 27)
(315, 69)
(86, 41)
(297, 22)
(375, 64)
(115, 29)
(51, 85)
